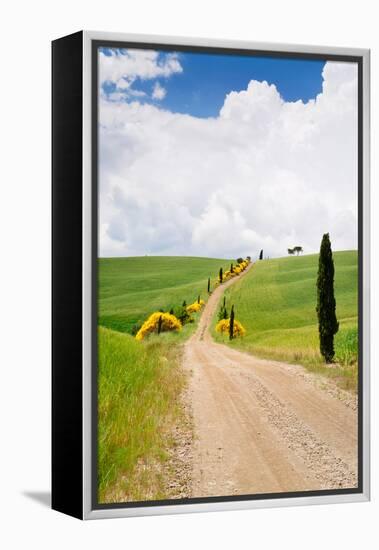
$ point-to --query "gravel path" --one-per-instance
(263, 426)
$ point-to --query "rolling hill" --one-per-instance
(276, 304)
(132, 288)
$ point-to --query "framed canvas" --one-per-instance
(210, 275)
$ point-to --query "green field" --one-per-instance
(132, 288)
(276, 303)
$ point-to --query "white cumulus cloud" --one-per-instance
(265, 173)
(159, 92)
(117, 65)
(122, 67)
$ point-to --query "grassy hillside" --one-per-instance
(131, 288)
(276, 303)
(139, 385)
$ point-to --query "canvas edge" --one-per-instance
(88, 512)
(87, 278)
(66, 273)
(366, 294)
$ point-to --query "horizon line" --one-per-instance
(214, 257)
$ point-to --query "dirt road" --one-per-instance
(263, 426)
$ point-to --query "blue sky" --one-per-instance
(184, 162)
(200, 89)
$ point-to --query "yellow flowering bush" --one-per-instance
(223, 327)
(229, 274)
(169, 322)
(195, 307)
(241, 266)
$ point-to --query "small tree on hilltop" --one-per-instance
(239, 260)
(261, 255)
(220, 275)
(298, 249)
(231, 324)
(326, 303)
(291, 251)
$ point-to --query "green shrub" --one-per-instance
(182, 314)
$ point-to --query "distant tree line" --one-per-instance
(295, 250)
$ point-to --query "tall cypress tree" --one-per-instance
(160, 324)
(261, 255)
(209, 285)
(220, 275)
(326, 303)
(223, 313)
(231, 324)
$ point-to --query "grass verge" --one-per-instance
(140, 384)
